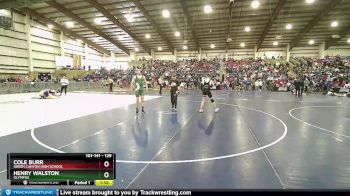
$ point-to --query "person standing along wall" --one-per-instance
(110, 83)
(161, 84)
(302, 85)
(307, 83)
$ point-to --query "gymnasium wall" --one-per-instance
(241, 53)
(122, 61)
(13, 48)
(308, 51)
(311, 51)
(45, 50)
(183, 55)
(270, 52)
(45, 47)
(341, 50)
(209, 54)
(163, 56)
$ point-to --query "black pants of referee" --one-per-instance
(65, 89)
(173, 96)
(110, 87)
(299, 92)
(160, 88)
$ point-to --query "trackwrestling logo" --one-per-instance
(28, 192)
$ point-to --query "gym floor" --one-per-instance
(258, 140)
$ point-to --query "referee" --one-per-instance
(110, 83)
(64, 85)
(160, 83)
(174, 92)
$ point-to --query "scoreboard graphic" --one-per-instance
(61, 169)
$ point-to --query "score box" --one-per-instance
(60, 167)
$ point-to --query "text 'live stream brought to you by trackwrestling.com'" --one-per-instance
(92, 192)
(65, 192)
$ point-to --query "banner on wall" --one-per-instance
(76, 61)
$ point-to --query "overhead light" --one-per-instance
(255, 4)
(166, 13)
(129, 17)
(148, 36)
(275, 43)
(289, 26)
(334, 24)
(247, 29)
(79, 40)
(98, 20)
(242, 45)
(69, 24)
(311, 42)
(50, 26)
(160, 48)
(136, 49)
(310, 1)
(5, 12)
(335, 36)
(212, 46)
(278, 37)
(349, 40)
(208, 9)
(96, 39)
(185, 47)
(120, 37)
(177, 34)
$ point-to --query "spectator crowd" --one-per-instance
(247, 74)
